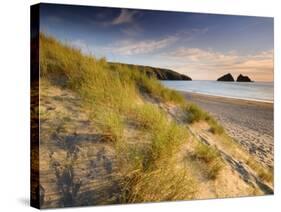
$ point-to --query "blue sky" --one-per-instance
(203, 46)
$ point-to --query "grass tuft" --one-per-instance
(215, 127)
(165, 135)
(195, 114)
(110, 123)
(263, 173)
(163, 184)
(210, 157)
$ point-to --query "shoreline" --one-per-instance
(248, 122)
(227, 97)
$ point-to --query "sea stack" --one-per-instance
(242, 78)
(227, 78)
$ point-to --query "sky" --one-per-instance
(202, 46)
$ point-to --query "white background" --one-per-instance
(14, 102)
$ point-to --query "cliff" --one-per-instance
(160, 73)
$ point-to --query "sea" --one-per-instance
(254, 91)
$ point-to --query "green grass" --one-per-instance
(265, 174)
(215, 127)
(165, 135)
(146, 116)
(210, 157)
(193, 114)
(163, 184)
(110, 123)
(149, 167)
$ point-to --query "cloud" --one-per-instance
(193, 32)
(142, 47)
(206, 56)
(134, 47)
(132, 30)
(125, 17)
(206, 63)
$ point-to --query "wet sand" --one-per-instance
(249, 122)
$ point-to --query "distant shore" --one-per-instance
(249, 122)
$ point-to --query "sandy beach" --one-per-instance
(249, 122)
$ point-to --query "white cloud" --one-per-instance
(202, 55)
(126, 16)
(142, 47)
(132, 30)
(132, 47)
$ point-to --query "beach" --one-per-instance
(248, 122)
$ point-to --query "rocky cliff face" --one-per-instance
(242, 78)
(227, 77)
(160, 73)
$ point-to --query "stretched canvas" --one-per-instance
(137, 106)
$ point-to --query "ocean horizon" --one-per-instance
(253, 91)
